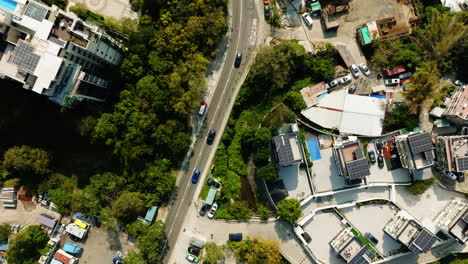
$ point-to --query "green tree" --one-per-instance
(268, 172)
(137, 228)
(106, 187)
(257, 250)
(128, 207)
(80, 10)
(214, 253)
(398, 118)
(5, 232)
(26, 246)
(424, 83)
(27, 159)
(289, 210)
(294, 101)
(135, 258)
(150, 242)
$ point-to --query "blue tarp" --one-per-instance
(54, 261)
(378, 96)
(3, 246)
(314, 149)
(72, 248)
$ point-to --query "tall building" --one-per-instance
(452, 153)
(54, 53)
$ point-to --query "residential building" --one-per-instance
(312, 93)
(416, 151)
(47, 221)
(62, 257)
(151, 214)
(404, 228)
(350, 248)
(453, 219)
(54, 53)
(452, 153)
(287, 149)
(457, 110)
(350, 160)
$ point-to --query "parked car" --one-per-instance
(458, 83)
(352, 89)
(195, 176)
(266, 9)
(331, 84)
(202, 109)
(213, 210)
(378, 146)
(451, 175)
(353, 182)
(364, 69)
(235, 237)
(380, 161)
(372, 238)
(461, 177)
(191, 258)
(345, 79)
(211, 136)
(203, 209)
(212, 182)
(391, 81)
(354, 70)
(371, 156)
(307, 19)
(238, 60)
(194, 251)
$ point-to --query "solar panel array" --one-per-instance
(420, 142)
(358, 154)
(357, 169)
(36, 11)
(284, 150)
(24, 57)
(462, 163)
(423, 242)
(360, 257)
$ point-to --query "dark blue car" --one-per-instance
(195, 176)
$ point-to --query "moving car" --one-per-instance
(345, 79)
(213, 210)
(212, 182)
(392, 81)
(235, 237)
(307, 19)
(371, 156)
(352, 89)
(194, 251)
(203, 107)
(372, 238)
(364, 69)
(195, 176)
(238, 60)
(354, 70)
(211, 136)
(266, 9)
(203, 209)
(191, 258)
(380, 161)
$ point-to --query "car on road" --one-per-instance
(364, 69)
(213, 210)
(451, 175)
(354, 70)
(238, 60)
(211, 136)
(345, 79)
(331, 84)
(194, 251)
(391, 81)
(203, 209)
(307, 19)
(266, 9)
(371, 156)
(195, 176)
(380, 161)
(213, 183)
(235, 237)
(191, 258)
(378, 146)
(372, 238)
(352, 89)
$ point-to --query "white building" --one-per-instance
(54, 53)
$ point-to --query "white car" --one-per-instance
(213, 210)
(345, 79)
(354, 70)
(364, 69)
(458, 83)
(392, 81)
(331, 84)
(307, 19)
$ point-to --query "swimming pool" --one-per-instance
(8, 5)
(314, 149)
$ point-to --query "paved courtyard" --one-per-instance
(326, 177)
(113, 8)
(295, 181)
(383, 175)
(26, 213)
(372, 219)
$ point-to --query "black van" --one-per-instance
(235, 237)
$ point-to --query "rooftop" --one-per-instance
(287, 149)
(311, 94)
(459, 103)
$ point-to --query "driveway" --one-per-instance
(384, 175)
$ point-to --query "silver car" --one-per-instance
(365, 69)
(345, 79)
(354, 70)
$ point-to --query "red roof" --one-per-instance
(395, 70)
(60, 256)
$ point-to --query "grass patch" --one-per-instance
(420, 187)
(364, 240)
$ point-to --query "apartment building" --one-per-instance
(457, 110)
(452, 153)
(350, 160)
(416, 151)
(54, 53)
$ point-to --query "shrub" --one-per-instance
(420, 187)
(294, 101)
(264, 212)
(231, 186)
(238, 210)
(268, 172)
(289, 210)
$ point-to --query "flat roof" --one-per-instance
(286, 147)
(310, 94)
(366, 38)
(211, 196)
(76, 230)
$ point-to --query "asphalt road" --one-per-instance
(243, 13)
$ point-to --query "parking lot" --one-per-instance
(322, 228)
(26, 213)
(295, 181)
(372, 219)
(326, 177)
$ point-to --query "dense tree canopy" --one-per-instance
(289, 210)
(5, 232)
(27, 159)
(26, 246)
(214, 253)
(268, 172)
(150, 243)
(258, 251)
(128, 207)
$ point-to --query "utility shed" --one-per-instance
(211, 196)
(47, 220)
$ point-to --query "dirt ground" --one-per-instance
(26, 213)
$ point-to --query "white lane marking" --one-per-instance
(253, 32)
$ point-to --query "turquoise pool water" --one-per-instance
(314, 149)
(8, 5)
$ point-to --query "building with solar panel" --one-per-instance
(404, 228)
(54, 53)
(416, 151)
(453, 219)
(348, 246)
(452, 153)
(351, 161)
(287, 149)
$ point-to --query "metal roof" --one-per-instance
(211, 196)
(357, 169)
(72, 248)
(420, 142)
(47, 220)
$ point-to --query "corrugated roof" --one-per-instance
(151, 213)
(47, 220)
(211, 196)
(63, 257)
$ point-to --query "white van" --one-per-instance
(307, 19)
(202, 110)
